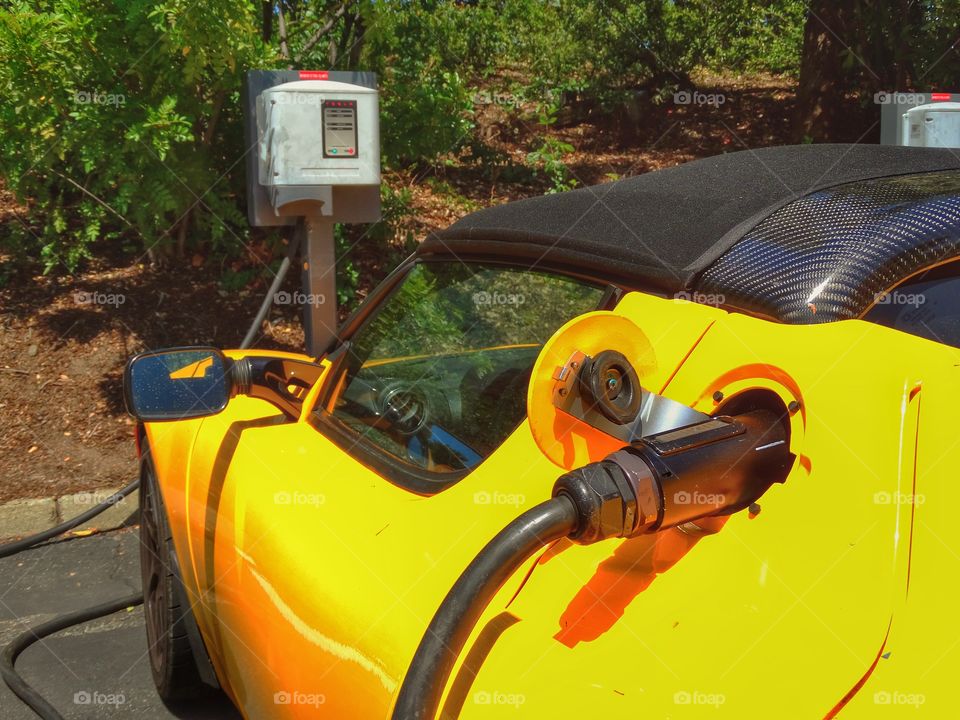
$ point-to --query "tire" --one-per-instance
(172, 661)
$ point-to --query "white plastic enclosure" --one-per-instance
(932, 125)
(314, 134)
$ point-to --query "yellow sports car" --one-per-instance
(674, 446)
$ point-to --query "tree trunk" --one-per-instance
(266, 12)
(824, 106)
(358, 33)
(282, 27)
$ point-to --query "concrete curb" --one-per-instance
(19, 518)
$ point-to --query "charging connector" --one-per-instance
(715, 467)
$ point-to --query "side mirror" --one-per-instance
(177, 384)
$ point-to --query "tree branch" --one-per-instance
(327, 27)
(82, 189)
(282, 24)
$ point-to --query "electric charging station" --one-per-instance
(919, 119)
(313, 160)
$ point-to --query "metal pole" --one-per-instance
(319, 284)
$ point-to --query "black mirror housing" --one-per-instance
(177, 384)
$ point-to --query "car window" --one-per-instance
(927, 305)
(437, 377)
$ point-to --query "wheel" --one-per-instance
(172, 662)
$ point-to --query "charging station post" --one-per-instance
(313, 160)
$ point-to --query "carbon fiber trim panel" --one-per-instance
(828, 255)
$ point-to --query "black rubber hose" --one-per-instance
(274, 286)
(31, 540)
(423, 685)
(17, 684)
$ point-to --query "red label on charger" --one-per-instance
(314, 75)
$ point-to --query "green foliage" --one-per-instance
(425, 104)
(758, 35)
(120, 119)
(548, 157)
(234, 280)
(348, 276)
(452, 195)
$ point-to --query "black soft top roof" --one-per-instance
(664, 228)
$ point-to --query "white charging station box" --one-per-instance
(932, 125)
(313, 135)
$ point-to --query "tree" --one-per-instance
(853, 49)
(825, 79)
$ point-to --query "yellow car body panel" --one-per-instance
(314, 578)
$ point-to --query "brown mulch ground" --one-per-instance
(62, 423)
(61, 357)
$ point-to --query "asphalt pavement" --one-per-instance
(91, 671)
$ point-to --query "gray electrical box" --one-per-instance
(920, 119)
(313, 160)
(305, 103)
(313, 135)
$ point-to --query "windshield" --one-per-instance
(927, 305)
(437, 377)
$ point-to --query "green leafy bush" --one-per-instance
(120, 120)
(757, 35)
(425, 103)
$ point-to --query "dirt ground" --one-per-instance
(64, 339)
